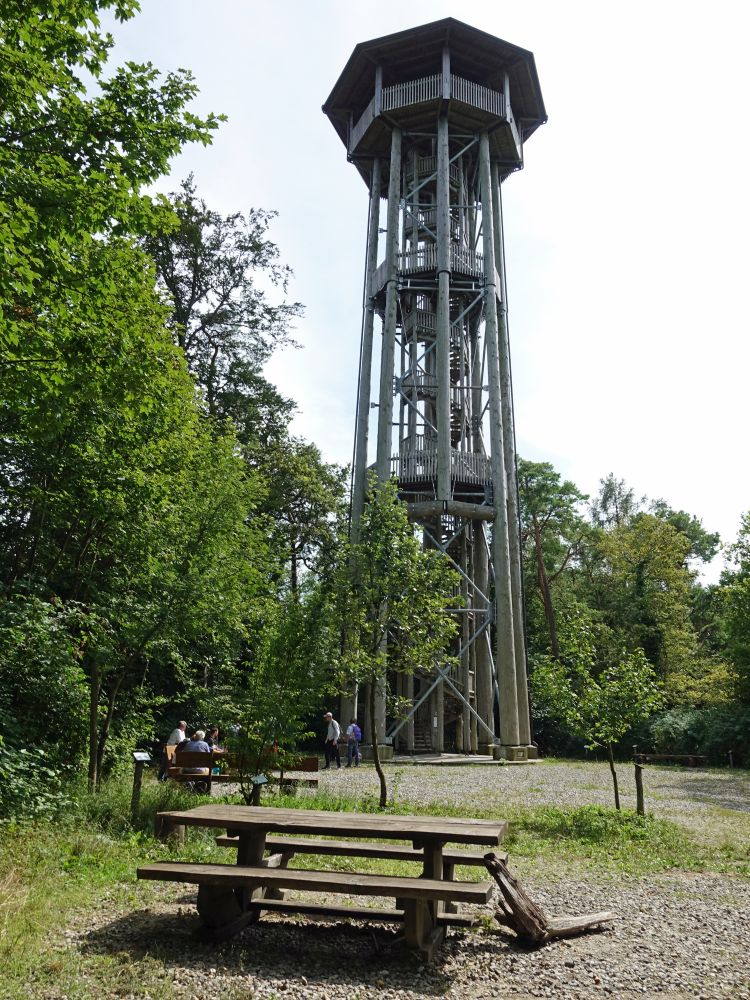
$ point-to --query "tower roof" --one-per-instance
(417, 52)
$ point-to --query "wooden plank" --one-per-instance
(358, 849)
(324, 911)
(280, 820)
(351, 883)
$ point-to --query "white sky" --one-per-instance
(627, 232)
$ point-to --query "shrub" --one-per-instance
(29, 787)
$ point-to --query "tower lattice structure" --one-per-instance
(435, 119)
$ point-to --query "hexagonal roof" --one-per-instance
(417, 52)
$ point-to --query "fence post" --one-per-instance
(639, 804)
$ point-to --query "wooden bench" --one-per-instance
(191, 758)
(287, 847)
(223, 913)
(686, 760)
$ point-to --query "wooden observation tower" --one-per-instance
(435, 119)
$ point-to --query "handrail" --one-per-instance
(429, 88)
(420, 465)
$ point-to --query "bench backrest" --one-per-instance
(194, 758)
(305, 764)
(298, 764)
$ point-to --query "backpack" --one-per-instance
(357, 733)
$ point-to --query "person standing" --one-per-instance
(353, 739)
(332, 741)
(175, 738)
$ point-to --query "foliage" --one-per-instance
(735, 598)
(72, 165)
(714, 731)
(279, 685)
(30, 788)
(121, 507)
(42, 684)
(209, 267)
(600, 705)
(703, 544)
(394, 597)
(552, 531)
(642, 589)
(306, 498)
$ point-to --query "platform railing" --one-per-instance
(424, 90)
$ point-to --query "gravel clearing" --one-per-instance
(676, 935)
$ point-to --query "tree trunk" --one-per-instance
(611, 757)
(544, 588)
(103, 736)
(93, 724)
(375, 755)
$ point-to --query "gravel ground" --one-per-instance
(676, 935)
(714, 804)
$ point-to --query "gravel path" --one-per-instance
(676, 935)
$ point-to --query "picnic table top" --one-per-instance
(436, 829)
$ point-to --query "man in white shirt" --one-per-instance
(175, 737)
(332, 741)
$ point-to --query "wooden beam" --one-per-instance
(434, 508)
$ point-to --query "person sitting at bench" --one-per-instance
(213, 740)
(176, 737)
(196, 744)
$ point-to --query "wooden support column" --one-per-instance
(410, 722)
(359, 486)
(505, 659)
(385, 410)
(509, 447)
(483, 676)
(443, 346)
(464, 746)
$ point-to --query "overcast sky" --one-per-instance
(627, 232)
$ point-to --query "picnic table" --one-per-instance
(232, 895)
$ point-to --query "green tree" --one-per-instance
(597, 702)
(735, 595)
(552, 531)
(278, 683)
(73, 165)
(394, 601)
(119, 504)
(212, 269)
(306, 499)
(641, 587)
(703, 544)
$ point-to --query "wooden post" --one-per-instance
(165, 829)
(639, 803)
(359, 485)
(385, 406)
(506, 660)
(509, 449)
(443, 347)
(135, 798)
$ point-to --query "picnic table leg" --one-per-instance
(448, 872)
(250, 850)
(432, 867)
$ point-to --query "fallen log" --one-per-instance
(518, 910)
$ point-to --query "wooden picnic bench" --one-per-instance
(687, 760)
(181, 763)
(231, 896)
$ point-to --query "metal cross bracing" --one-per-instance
(459, 105)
